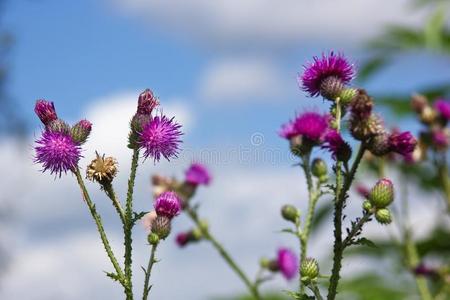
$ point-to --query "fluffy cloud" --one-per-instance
(241, 80)
(269, 23)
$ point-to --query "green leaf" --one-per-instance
(365, 242)
(298, 296)
(434, 29)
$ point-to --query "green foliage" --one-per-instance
(437, 243)
(365, 242)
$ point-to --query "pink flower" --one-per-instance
(198, 174)
(287, 263)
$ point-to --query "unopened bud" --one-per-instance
(383, 216)
(367, 206)
(46, 112)
(382, 194)
(309, 270)
(362, 104)
(319, 169)
(81, 131)
(147, 102)
(290, 213)
(153, 239)
(347, 95)
(161, 227)
(379, 145)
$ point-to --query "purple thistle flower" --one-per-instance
(287, 130)
(402, 142)
(198, 174)
(325, 67)
(311, 125)
(182, 239)
(57, 152)
(160, 137)
(45, 110)
(287, 263)
(443, 108)
(168, 204)
(334, 142)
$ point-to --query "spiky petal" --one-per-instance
(311, 125)
(287, 263)
(198, 174)
(168, 204)
(321, 68)
(334, 142)
(160, 137)
(57, 152)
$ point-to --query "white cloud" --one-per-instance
(269, 23)
(241, 80)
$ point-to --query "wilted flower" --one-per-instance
(46, 112)
(160, 137)
(287, 263)
(361, 105)
(168, 204)
(102, 169)
(57, 152)
(147, 102)
(379, 144)
(319, 72)
(198, 174)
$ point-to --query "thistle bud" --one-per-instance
(264, 263)
(362, 104)
(331, 87)
(80, 131)
(290, 213)
(319, 169)
(379, 145)
(347, 95)
(153, 239)
(147, 102)
(367, 206)
(309, 270)
(59, 125)
(365, 128)
(382, 194)
(418, 103)
(428, 115)
(161, 227)
(102, 169)
(46, 112)
(383, 216)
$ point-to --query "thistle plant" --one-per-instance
(329, 76)
(59, 150)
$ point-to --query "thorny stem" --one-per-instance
(355, 229)
(340, 194)
(253, 288)
(148, 272)
(128, 225)
(109, 190)
(101, 230)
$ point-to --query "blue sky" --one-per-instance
(227, 70)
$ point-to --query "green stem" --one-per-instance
(253, 289)
(313, 196)
(109, 190)
(101, 230)
(412, 259)
(316, 291)
(339, 201)
(445, 182)
(148, 272)
(128, 225)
